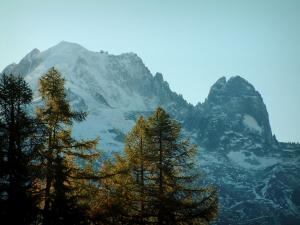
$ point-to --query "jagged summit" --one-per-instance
(238, 107)
(234, 87)
(239, 86)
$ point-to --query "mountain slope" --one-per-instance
(113, 89)
(258, 177)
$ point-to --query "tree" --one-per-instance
(122, 194)
(18, 147)
(160, 184)
(62, 153)
(136, 150)
(113, 201)
(175, 195)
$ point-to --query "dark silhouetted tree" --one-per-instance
(19, 142)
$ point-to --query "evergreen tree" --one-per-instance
(19, 143)
(62, 153)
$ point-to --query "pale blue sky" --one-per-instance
(192, 43)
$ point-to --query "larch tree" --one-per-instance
(113, 201)
(176, 197)
(136, 151)
(62, 153)
(161, 183)
(122, 194)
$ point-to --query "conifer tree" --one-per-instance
(61, 153)
(121, 196)
(112, 202)
(136, 150)
(176, 198)
(156, 181)
(18, 148)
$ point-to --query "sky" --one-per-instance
(192, 43)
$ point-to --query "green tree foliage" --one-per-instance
(62, 153)
(19, 142)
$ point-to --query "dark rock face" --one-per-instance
(232, 106)
(258, 177)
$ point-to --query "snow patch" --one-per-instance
(248, 160)
(251, 123)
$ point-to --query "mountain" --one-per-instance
(114, 89)
(257, 176)
(232, 110)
